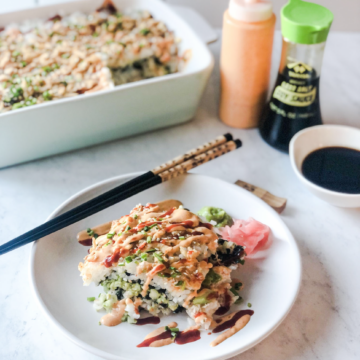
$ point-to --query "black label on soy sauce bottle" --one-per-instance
(294, 105)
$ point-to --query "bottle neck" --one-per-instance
(250, 11)
(301, 59)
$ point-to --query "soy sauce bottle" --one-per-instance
(294, 104)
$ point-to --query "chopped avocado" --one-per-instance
(211, 278)
(154, 294)
(216, 214)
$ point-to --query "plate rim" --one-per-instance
(91, 349)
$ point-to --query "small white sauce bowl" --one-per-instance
(317, 137)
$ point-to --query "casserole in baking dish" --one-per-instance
(105, 111)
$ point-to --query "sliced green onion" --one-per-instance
(144, 256)
(47, 96)
(121, 264)
(127, 228)
(110, 235)
(146, 228)
(91, 299)
(249, 305)
(182, 237)
(135, 216)
(202, 300)
(108, 243)
(234, 292)
(128, 259)
(158, 256)
(150, 250)
(149, 239)
(237, 286)
(212, 277)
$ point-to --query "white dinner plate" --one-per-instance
(271, 280)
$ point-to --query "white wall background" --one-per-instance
(347, 12)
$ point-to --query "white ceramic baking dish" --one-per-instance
(72, 123)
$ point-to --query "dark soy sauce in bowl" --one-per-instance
(334, 168)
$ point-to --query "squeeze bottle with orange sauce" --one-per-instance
(245, 63)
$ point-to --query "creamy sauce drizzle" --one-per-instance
(115, 316)
(234, 322)
(159, 337)
(174, 232)
(86, 240)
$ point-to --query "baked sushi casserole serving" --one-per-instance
(164, 259)
(76, 54)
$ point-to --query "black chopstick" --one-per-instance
(84, 210)
(125, 191)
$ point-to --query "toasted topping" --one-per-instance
(170, 242)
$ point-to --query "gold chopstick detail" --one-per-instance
(199, 160)
(192, 153)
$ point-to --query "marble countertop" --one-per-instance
(325, 320)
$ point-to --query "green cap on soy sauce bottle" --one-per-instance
(305, 23)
